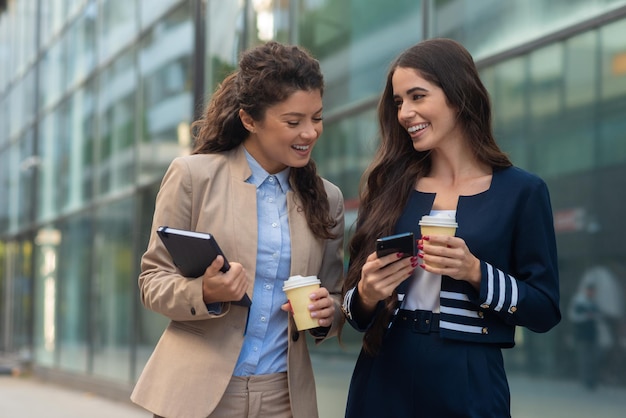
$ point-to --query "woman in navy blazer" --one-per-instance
(433, 335)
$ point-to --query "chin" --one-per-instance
(300, 163)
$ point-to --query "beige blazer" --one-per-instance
(194, 359)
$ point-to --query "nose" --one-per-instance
(311, 131)
(405, 112)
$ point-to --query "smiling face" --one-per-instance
(285, 136)
(423, 110)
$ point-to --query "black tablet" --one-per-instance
(192, 252)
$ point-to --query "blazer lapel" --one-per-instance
(243, 202)
(298, 231)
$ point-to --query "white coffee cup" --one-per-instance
(298, 288)
(437, 225)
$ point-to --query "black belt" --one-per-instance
(419, 321)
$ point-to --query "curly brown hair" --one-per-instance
(268, 74)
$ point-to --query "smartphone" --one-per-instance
(400, 243)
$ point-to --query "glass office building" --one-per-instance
(96, 98)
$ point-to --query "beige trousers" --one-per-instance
(264, 396)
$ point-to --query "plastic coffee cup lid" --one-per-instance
(300, 281)
(438, 221)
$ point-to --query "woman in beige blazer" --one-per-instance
(262, 121)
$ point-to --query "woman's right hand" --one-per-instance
(380, 277)
(223, 287)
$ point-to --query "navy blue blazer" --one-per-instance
(510, 229)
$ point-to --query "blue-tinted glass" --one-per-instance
(355, 41)
(74, 295)
(117, 122)
(165, 63)
(115, 291)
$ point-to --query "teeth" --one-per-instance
(301, 147)
(417, 127)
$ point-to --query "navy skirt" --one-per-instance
(417, 374)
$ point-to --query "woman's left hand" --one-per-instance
(450, 257)
(321, 307)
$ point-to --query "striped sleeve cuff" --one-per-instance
(346, 306)
(502, 291)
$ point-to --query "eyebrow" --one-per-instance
(298, 114)
(413, 90)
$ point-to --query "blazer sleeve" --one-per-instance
(528, 294)
(162, 288)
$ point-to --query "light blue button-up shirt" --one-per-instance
(264, 348)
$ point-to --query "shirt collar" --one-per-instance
(259, 174)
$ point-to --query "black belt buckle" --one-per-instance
(418, 321)
(422, 322)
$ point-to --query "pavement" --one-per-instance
(24, 396)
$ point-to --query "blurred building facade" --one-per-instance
(96, 98)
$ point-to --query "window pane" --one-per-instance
(13, 186)
(117, 125)
(115, 291)
(578, 120)
(356, 44)
(613, 97)
(74, 293)
(53, 14)
(510, 109)
(119, 21)
(167, 102)
(345, 150)
(6, 72)
(150, 10)
(474, 23)
(48, 135)
(4, 120)
(580, 72)
(224, 40)
(79, 128)
(5, 188)
(16, 280)
(52, 75)
(24, 30)
(151, 324)
(28, 164)
(546, 69)
(80, 45)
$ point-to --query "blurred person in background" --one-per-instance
(586, 318)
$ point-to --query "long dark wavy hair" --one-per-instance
(391, 176)
(268, 74)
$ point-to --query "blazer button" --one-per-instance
(193, 310)
(485, 330)
(294, 336)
